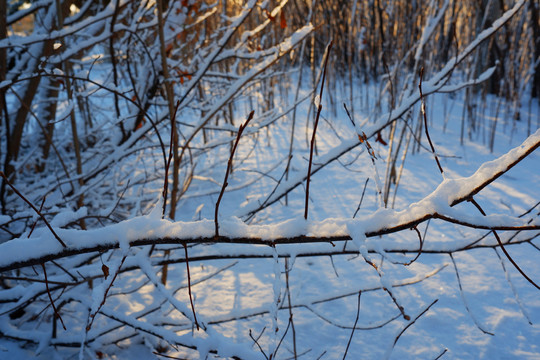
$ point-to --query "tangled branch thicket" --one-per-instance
(102, 102)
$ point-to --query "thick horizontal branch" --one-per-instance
(270, 242)
(151, 229)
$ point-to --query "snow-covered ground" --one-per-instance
(472, 304)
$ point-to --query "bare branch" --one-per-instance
(229, 168)
(319, 108)
(33, 208)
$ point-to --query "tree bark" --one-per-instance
(535, 24)
(4, 121)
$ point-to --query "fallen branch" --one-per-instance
(382, 222)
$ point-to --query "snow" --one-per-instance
(464, 297)
(4, 219)
(438, 201)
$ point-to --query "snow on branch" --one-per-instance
(151, 229)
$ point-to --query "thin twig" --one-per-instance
(354, 326)
(394, 299)
(66, 271)
(35, 222)
(257, 343)
(229, 166)
(287, 270)
(504, 249)
(50, 297)
(319, 108)
(441, 354)
(33, 208)
(333, 265)
(348, 327)
(388, 291)
(361, 198)
(412, 322)
(349, 115)
(425, 120)
(465, 300)
(93, 315)
(189, 287)
(283, 175)
(421, 246)
(29, 279)
(530, 210)
(168, 164)
(508, 279)
(274, 355)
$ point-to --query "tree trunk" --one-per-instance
(36, 52)
(535, 24)
(4, 121)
